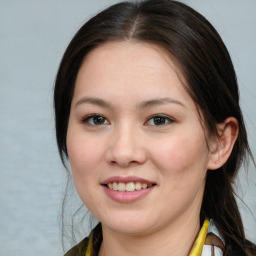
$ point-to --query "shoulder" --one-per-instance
(95, 242)
(79, 249)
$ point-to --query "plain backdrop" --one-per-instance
(33, 37)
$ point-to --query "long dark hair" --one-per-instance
(205, 63)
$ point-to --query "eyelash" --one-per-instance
(166, 118)
(93, 116)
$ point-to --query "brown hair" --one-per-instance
(205, 64)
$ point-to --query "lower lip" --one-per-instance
(127, 197)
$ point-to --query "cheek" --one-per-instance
(181, 158)
(182, 172)
(84, 154)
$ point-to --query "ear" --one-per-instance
(222, 147)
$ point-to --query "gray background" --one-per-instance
(33, 36)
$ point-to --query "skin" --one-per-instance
(173, 154)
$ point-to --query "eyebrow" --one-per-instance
(161, 101)
(94, 101)
(144, 104)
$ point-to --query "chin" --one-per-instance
(130, 225)
(130, 229)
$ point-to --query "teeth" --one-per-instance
(121, 186)
(129, 187)
(144, 185)
(115, 186)
(138, 186)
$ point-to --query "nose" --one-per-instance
(126, 148)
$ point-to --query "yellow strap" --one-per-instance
(89, 248)
(199, 243)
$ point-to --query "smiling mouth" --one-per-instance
(128, 187)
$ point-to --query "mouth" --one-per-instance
(128, 186)
(127, 189)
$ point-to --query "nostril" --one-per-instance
(124, 163)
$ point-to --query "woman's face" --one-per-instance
(136, 145)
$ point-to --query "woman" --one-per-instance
(147, 113)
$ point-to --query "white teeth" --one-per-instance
(138, 186)
(121, 186)
(115, 186)
(129, 187)
(144, 185)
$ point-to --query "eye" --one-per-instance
(159, 120)
(95, 119)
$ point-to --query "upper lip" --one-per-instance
(127, 179)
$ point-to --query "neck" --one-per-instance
(175, 239)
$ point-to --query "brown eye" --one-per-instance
(96, 120)
(159, 120)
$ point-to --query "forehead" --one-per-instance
(132, 69)
(131, 52)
